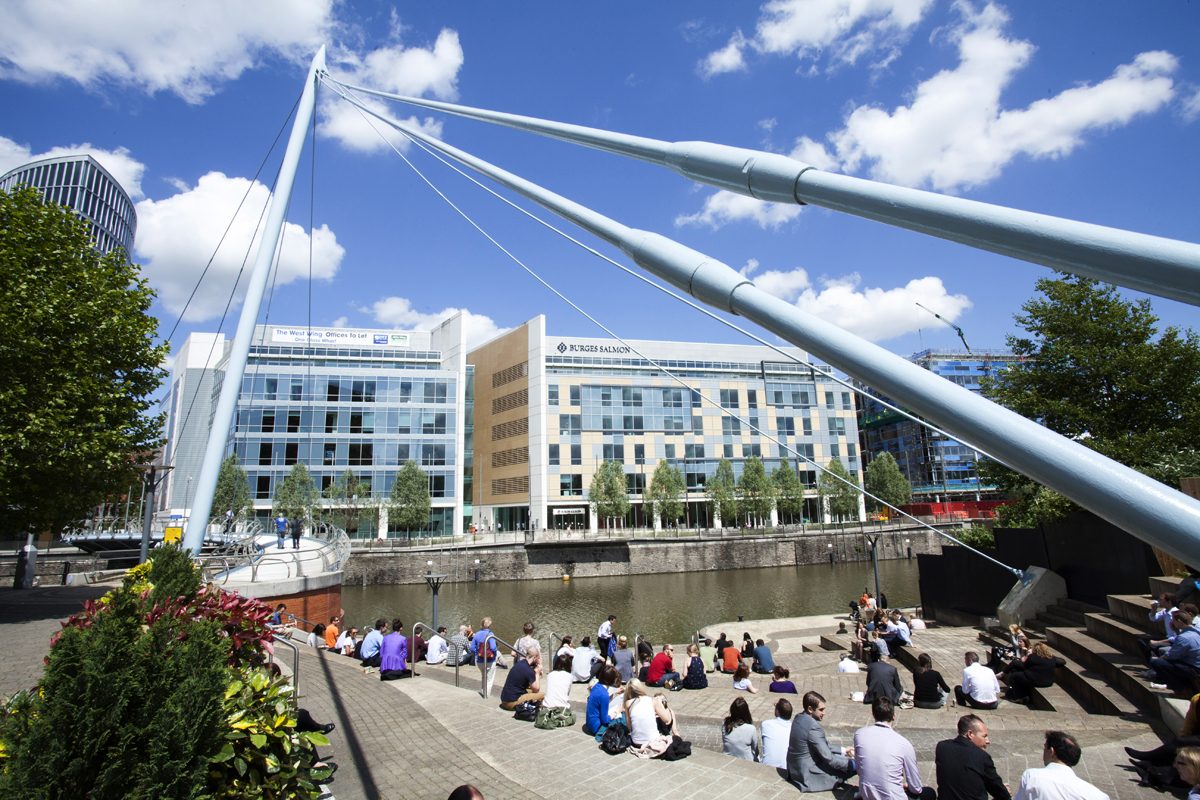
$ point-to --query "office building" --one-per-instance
(551, 409)
(79, 183)
(938, 469)
(333, 399)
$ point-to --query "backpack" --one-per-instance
(548, 718)
(526, 712)
(616, 739)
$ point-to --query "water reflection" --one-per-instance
(663, 607)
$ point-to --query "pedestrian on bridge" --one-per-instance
(281, 526)
(297, 529)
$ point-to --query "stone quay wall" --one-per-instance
(583, 559)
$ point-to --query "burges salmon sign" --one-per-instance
(614, 349)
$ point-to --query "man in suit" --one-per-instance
(811, 765)
(964, 769)
(883, 681)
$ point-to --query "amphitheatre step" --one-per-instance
(1132, 608)
(1121, 670)
(1080, 606)
(1046, 620)
(1062, 611)
(1117, 632)
(834, 643)
(1164, 583)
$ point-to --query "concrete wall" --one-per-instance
(552, 560)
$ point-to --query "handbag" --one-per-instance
(616, 739)
(549, 718)
(526, 712)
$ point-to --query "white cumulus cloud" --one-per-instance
(189, 49)
(955, 134)
(413, 71)
(722, 207)
(399, 313)
(125, 168)
(177, 235)
(847, 29)
(874, 314)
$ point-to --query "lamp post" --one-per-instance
(151, 479)
(435, 583)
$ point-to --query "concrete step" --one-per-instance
(1163, 583)
(1046, 620)
(1132, 608)
(1086, 687)
(834, 643)
(1063, 611)
(1120, 670)
(1079, 605)
(1116, 632)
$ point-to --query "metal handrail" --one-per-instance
(483, 672)
(412, 644)
(550, 648)
(295, 661)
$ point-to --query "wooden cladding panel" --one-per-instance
(510, 374)
(517, 485)
(510, 401)
(507, 458)
(507, 430)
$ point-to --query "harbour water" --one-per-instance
(666, 607)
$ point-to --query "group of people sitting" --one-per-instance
(885, 762)
(1173, 660)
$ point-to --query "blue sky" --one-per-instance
(1086, 111)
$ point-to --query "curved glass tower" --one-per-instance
(82, 185)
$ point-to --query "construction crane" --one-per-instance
(952, 325)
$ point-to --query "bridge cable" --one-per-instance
(754, 428)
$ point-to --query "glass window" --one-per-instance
(262, 490)
(785, 426)
(272, 389)
(264, 454)
(837, 426)
(297, 389)
(632, 423)
(752, 398)
(727, 450)
(672, 398)
(606, 396)
(729, 398)
(807, 451)
(268, 422)
(330, 453)
(846, 405)
(751, 451)
(437, 485)
(829, 399)
(835, 451)
(673, 422)
(433, 422)
(554, 455)
(614, 452)
(570, 485)
(698, 424)
(569, 424)
(693, 451)
(606, 423)
(362, 421)
(405, 392)
(731, 426)
(404, 422)
(435, 391)
(669, 451)
(552, 392)
(293, 425)
(635, 483)
(639, 454)
(331, 392)
(433, 455)
(576, 455)
(401, 454)
(696, 399)
(851, 451)
(574, 395)
(331, 421)
(291, 453)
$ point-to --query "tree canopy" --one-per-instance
(885, 481)
(757, 490)
(665, 492)
(233, 489)
(296, 494)
(77, 368)
(1095, 368)
(842, 498)
(350, 501)
(789, 490)
(721, 489)
(606, 494)
(409, 503)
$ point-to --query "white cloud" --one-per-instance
(814, 153)
(879, 314)
(724, 207)
(848, 29)
(1190, 107)
(784, 285)
(399, 313)
(341, 322)
(125, 168)
(186, 48)
(177, 235)
(413, 71)
(954, 134)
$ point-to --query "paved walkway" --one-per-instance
(420, 738)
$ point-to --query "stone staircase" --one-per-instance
(1103, 673)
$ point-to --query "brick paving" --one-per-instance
(420, 738)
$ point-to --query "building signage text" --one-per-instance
(338, 336)
(564, 347)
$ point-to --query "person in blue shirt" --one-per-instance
(1176, 669)
(371, 646)
(599, 700)
(487, 664)
(281, 526)
(763, 661)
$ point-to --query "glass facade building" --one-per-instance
(79, 183)
(550, 410)
(363, 401)
(937, 468)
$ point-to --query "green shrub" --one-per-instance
(172, 574)
(978, 537)
(263, 754)
(127, 707)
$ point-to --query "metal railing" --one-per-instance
(550, 648)
(412, 645)
(335, 536)
(483, 661)
(295, 662)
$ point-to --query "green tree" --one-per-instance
(664, 493)
(757, 490)
(721, 489)
(789, 491)
(885, 481)
(842, 498)
(233, 489)
(1095, 368)
(606, 495)
(349, 501)
(409, 503)
(77, 368)
(296, 494)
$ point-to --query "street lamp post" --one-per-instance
(435, 583)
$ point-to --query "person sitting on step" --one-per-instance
(979, 688)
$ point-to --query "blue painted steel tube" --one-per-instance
(1155, 513)
(206, 482)
(1152, 264)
